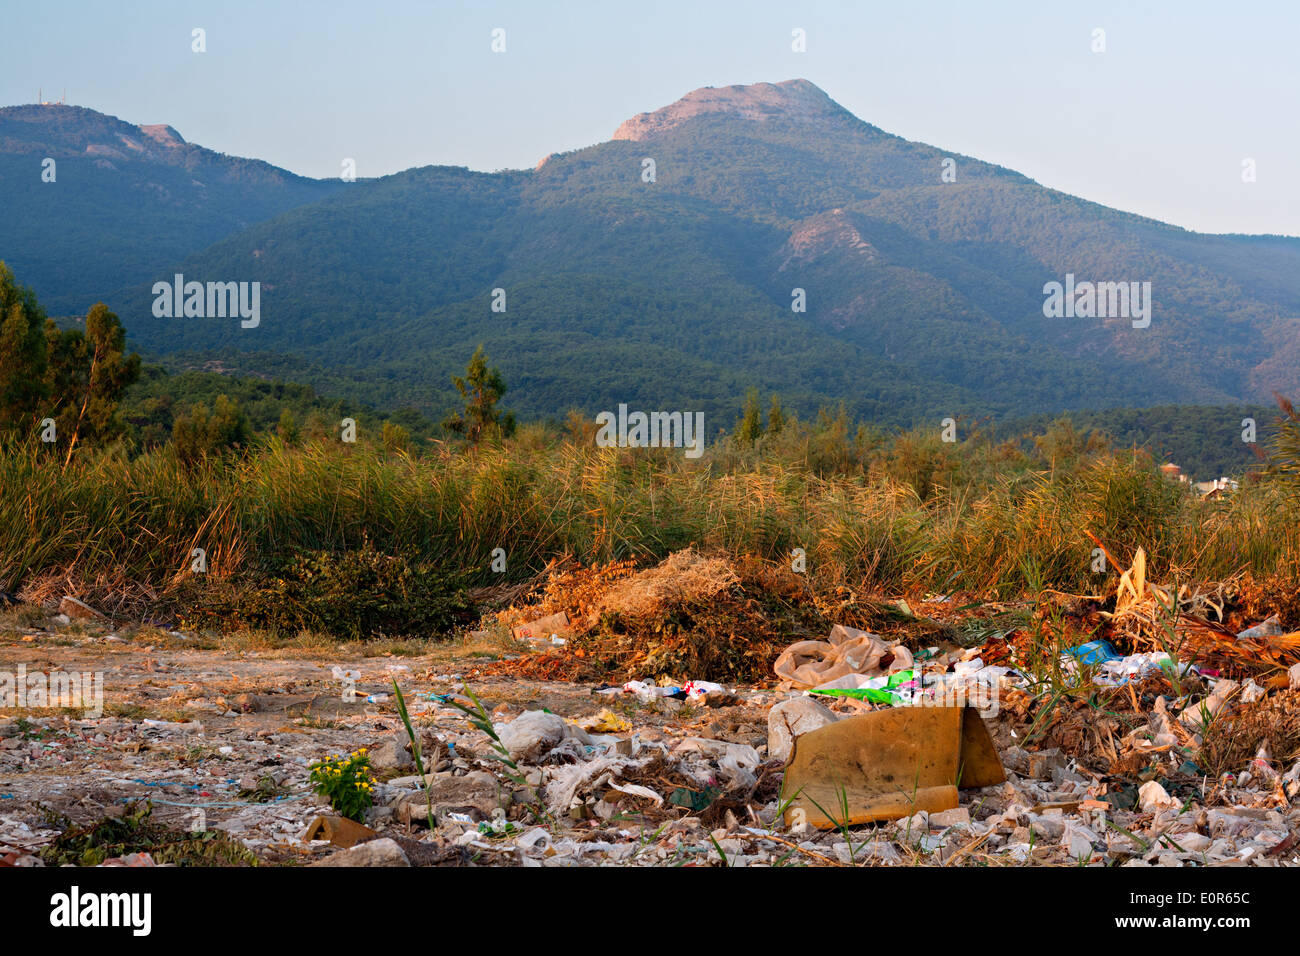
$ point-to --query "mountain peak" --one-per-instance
(798, 100)
(163, 135)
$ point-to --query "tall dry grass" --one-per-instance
(972, 523)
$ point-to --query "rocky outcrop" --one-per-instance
(793, 101)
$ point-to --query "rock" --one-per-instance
(1078, 840)
(392, 754)
(958, 817)
(914, 825)
(1153, 797)
(381, 852)
(1191, 842)
(1037, 765)
(535, 733)
(78, 610)
(883, 852)
(793, 718)
(1050, 827)
(413, 782)
(477, 794)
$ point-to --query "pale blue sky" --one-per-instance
(1158, 124)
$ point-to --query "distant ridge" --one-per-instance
(748, 236)
(125, 199)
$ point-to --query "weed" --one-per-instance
(134, 831)
(420, 768)
(346, 783)
(480, 718)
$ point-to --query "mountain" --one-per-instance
(924, 291)
(125, 200)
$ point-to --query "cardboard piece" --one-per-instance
(887, 765)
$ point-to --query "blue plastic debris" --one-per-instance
(1094, 652)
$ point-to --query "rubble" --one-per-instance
(790, 719)
(536, 733)
(380, 852)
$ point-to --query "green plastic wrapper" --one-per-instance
(893, 689)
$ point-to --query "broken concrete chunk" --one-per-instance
(1050, 827)
(957, 817)
(392, 754)
(1037, 765)
(790, 719)
(536, 732)
(381, 852)
(477, 794)
(1152, 797)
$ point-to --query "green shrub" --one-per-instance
(346, 783)
(355, 594)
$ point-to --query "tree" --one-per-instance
(775, 416)
(481, 388)
(202, 432)
(22, 355)
(287, 429)
(750, 427)
(88, 373)
(395, 437)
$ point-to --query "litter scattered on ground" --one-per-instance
(949, 732)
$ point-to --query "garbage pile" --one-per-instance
(692, 614)
(1042, 740)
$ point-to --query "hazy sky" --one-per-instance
(1158, 124)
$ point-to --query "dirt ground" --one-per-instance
(220, 738)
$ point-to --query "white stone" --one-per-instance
(793, 718)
